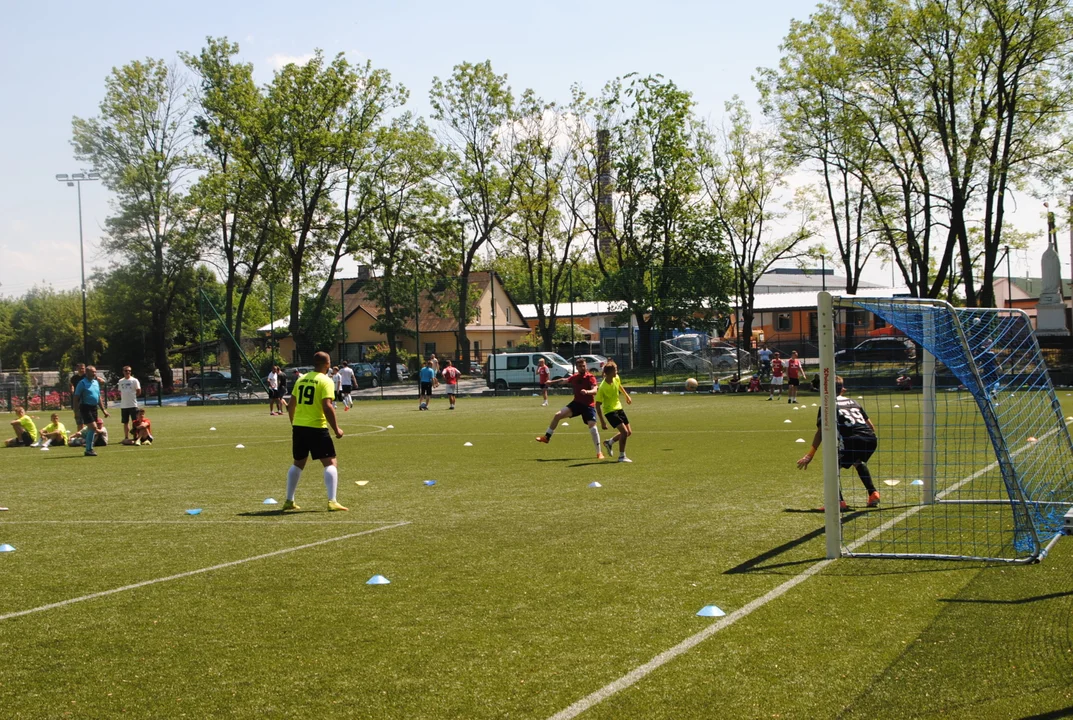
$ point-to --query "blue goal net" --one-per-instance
(975, 460)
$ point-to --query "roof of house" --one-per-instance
(580, 309)
(783, 280)
(807, 300)
(1033, 287)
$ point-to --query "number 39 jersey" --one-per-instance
(309, 393)
(852, 419)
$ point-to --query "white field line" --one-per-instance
(193, 523)
(190, 573)
(666, 656)
(251, 443)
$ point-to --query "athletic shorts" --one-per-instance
(274, 394)
(793, 382)
(128, 414)
(452, 388)
(347, 389)
(426, 388)
(306, 441)
(543, 386)
(776, 380)
(855, 449)
(617, 417)
(23, 439)
(587, 412)
(339, 395)
(58, 443)
(88, 413)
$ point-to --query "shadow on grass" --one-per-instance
(552, 459)
(76, 456)
(591, 462)
(1020, 601)
(755, 564)
(1052, 715)
(274, 513)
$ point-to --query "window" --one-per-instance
(859, 318)
(430, 348)
(510, 344)
(609, 346)
(517, 362)
(785, 322)
(508, 317)
(880, 322)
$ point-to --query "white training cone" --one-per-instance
(390, 427)
(860, 397)
(6, 548)
(240, 447)
(2, 509)
(665, 392)
(468, 444)
(565, 424)
(892, 483)
(786, 421)
(800, 440)
(1069, 419)
(917, 482)
(813, 404)
(711, 611)
(270, 501)
(595, 484)
(361, 482)
(212, 428)
(797, 408)
(378, 580)
(1032, 439)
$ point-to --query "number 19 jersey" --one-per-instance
(309, 394)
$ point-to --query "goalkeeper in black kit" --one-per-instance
(856, 443)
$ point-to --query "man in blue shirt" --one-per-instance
(428, 381)
(88, 394)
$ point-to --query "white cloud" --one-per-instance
(281, 60)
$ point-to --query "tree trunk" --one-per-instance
(158, 334)
(644, 340)
(463, 315)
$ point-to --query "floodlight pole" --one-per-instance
(77, 179)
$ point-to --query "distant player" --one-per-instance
(450, 380)
(54, 433)
(275, 393)
(349, 382)
(856, 443)
(337, 383)
(428, 381)
(584, 404)
(89, 398)
(754, 385)
(25, 430)
(609, 410)
(543, 377)
(776, 376)
(129, 390)
(311, 414)
(794, 372)
(99, 434)
(764, 356)
(141, 430)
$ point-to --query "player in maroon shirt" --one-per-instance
(794, 372)
(776, 377)
(584, 404)
(450, 379)
(543, 376)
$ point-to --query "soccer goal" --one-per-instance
(974, 459)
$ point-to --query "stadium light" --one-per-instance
(76, 179)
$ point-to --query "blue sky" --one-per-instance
(57, 55)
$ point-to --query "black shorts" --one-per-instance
(617, 417)
(543, 386)
(426, 388)
(347, 389)
(855, 449)
(129, 414)
(58, 443)
(587, 412)
(23, 439)
(306, 441)
(793, 382)
(339, 395)
(275, 394)
(88, 413)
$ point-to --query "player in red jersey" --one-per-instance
(794, 373)
(777, 369)
(584, 404)
(450, 379)
(543, 376)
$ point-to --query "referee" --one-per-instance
(311, 413)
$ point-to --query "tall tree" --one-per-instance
(143, 147)
(408, 237)
(230, 191)
(744, 172)
(475, 109)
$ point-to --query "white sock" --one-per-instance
(293, 474)
(331, 481)
(45, 442)
(595, 437)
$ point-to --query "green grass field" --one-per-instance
(516, 590)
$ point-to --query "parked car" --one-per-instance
(217, 380)
(595, 363)
(364, 374)
(513, 370)
(712, 359)
(881, 349)
(476, 369)
(292, 372)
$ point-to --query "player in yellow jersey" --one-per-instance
(55, 433)
(609, 408)
(25, 430)
(311, 413)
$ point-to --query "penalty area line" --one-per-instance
(191, 573)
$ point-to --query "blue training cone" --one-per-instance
(711, 611)
(6, 548)
(430, 482)
(195, 511)
(917, 482)
(378, 580)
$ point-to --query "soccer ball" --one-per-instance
(691, 384)
(424, 406)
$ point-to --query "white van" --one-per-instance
(514, 370)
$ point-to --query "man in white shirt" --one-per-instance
(349, 381)
(274, 392)
(129, 390)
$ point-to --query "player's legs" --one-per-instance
(563, 414)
